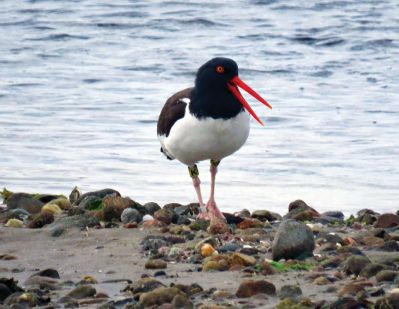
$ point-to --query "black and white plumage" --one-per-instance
(207, 122)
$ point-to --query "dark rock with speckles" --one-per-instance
(250, 288)
(24, 201)
(100, 193)
(293, 240)
(355, 264)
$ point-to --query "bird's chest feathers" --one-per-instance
(194, 139)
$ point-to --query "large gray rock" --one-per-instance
(79, 221)
(24, 201)
(293, 240)
(100, 193)
(130, 215)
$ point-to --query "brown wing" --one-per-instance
(172, 111)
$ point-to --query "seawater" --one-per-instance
(82, 84)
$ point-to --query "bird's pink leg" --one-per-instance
(193, 170)
(213, 210)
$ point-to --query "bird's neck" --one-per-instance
(213, 101)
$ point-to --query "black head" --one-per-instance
(216, 92)
(217, 72)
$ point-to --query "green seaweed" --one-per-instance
(288, 303)
(6, 194)
(95, 205)
(350, 220)
(284, 267)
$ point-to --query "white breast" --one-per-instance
(191, 140)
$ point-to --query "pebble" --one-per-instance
(14, 223)
(207, 250)
(250, 288)
(355, 264)
(24, 201)
(143, 285)
(52, 208)
(390, 246)
(293, 292)
(242, 260)
(151, 208)
(41, 219)
(82, 291)
(114, 206)
(215, 266)
(131, 215)
(249, 223)
(159, 296)
(8, 286)
(43, 282)
(229, 247)
(292, 240)
(353, 288)
(48, 272)
(218, 226)
(371, 270)
(147, 218)
(164, 215)
(266, 215)
(390, 301)
(78, 221)
(75, 195)
(155, 264)
(100, 193)
(387, 220)
(387, 275)
(300, 211)
(61, 202)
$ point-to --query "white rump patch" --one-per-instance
(185, 100)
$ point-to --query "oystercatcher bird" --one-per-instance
(207, 122)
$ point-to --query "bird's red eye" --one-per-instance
(220, 69)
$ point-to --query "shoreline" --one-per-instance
(101, 260)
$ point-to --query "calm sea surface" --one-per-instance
(82, 84)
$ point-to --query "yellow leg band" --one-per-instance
(215, 162)
(193, 171)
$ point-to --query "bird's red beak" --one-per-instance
(232, 85)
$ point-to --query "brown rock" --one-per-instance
(155, 264)
(182, 301)
(300, 211)
(242, 259)
(293, 240)
(41, 220)
(143, 285)
(215, 265)
(265, 215)
(252, 287)
(164, 215)
(390, 301)
(25, 201)
(386, 275)
(387, 220)
(354, 264)
(321, 281)
(159, 296)
(352, 288)
(249, 223)
(153, 223)
(218, 226)
(114, 206)
(372, 241)
(82, 291)
(267, 269)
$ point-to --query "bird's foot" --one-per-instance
(214, 211)
(203, 216)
